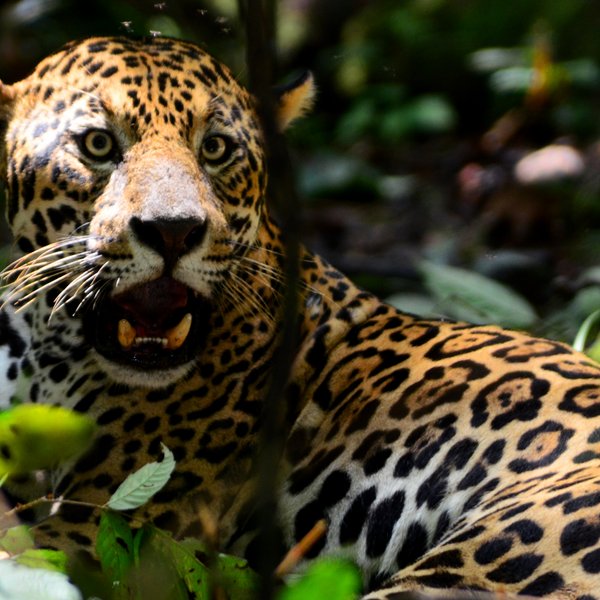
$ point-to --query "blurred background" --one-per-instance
(451, 163)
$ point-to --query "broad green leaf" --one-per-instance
(432, 113)
(512, 79)
(587, 300)
(415, 304)
(195, 575)
(491, 59)
(231, 573)
(37, 436)
(18, 582)
(333, 579)
(114, 546)
(16, 540)
(155, 576)
(472, 297)
(52, 560)
(140, 486)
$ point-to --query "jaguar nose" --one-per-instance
(171, 238)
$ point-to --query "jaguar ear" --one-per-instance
(8, 95)
(295, 99)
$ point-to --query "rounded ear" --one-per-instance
(8, 95)
(295, 99)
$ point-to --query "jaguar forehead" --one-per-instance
(159, 64)
(143, 90)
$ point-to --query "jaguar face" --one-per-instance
(171, 255)
(135, 175)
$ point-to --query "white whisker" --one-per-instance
(66, 262)
(66, 295)
(255, 300)
(256, 268)
(32, 295)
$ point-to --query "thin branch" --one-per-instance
(259, 18)
(298, 552)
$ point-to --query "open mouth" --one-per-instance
(156, 325)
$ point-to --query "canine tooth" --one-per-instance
(177, 335)
(126, 334)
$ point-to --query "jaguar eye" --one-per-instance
(98, 144)
(216, 149)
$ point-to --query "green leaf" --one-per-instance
(582, 338)
(333, 579)
(594, 352)
(37, 436)
(415, 304)
(195, 575)
(471, 297)
(139, 539)
(16, 540)
(512, 79)
(51, 560)
(114, 546)
(432, 114)
(140, 486)
(18, 582)
(231, 573)
(493, 59)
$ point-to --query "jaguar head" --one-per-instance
(136, 179)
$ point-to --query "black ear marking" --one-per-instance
(295, 98)
(292, 83)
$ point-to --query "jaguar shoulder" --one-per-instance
(147, 291)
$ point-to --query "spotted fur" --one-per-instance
(441, 454)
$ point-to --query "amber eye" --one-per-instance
(98, 144)
(216, 149)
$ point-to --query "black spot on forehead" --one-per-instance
(166, 56)
(98, 46)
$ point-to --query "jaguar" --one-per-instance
(147, 292)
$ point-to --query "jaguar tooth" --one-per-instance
(126, 334)
(179, 333)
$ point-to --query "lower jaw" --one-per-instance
(143, 378)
